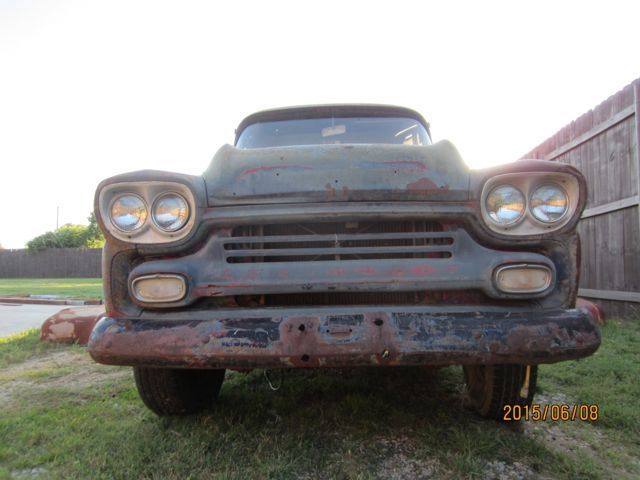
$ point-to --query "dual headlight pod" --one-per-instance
(169, 212)
(148, 212)
(506, 205)
(530, 203)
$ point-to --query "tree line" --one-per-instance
(70, 236)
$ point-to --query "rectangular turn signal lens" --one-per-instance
(523, 278)
(161, 288)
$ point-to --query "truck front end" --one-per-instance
(336, 251)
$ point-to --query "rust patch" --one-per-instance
(216, 290)
(593, 308)
(424, 184)
(207, 291)
(331, 191)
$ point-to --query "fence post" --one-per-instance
(636, 101)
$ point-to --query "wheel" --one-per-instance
(173, 391)
(490, 388)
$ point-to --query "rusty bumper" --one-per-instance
(340, 337)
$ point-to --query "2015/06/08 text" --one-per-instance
(554, 412)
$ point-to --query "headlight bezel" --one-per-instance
(528, 183)
(149, 192)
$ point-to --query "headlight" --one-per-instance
(128, 212)
(549, 203)
(505, 205)
(170, 212)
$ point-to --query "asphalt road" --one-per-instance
(15, 318)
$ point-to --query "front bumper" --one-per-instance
(344, 337)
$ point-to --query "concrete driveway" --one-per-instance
(15, 318)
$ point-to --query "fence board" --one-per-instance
(603, 145)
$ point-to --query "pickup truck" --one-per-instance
(341, 236)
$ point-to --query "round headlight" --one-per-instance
(170, 212)
(549, 203)
(128, 212)
(505, 205)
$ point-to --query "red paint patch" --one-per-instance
(252, 275)
(397, 272)
(422, 270)
(283, 273)
(338, 272)
(365, 270)
(226, 274)
(206, 291)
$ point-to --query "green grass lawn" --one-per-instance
(62, 416)
(84, 288)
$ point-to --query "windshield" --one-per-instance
(332, 130)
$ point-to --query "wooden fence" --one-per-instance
(603, 145)
(51, 263)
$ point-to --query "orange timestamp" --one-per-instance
(554, 412)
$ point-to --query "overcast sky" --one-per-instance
(92, 89)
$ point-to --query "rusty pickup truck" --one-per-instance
(341, 236)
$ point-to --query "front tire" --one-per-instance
(173, 391)
(490, 388)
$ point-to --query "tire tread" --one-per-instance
(168, 391)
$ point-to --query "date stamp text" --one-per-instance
(554, 412)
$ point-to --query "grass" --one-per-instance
(82, 288)
(67, 417)
(21, 346)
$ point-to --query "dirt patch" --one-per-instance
(498, 470)
(403, 460)
(36, 472)
(400, 466)
(567, 437)
(84, 374)
(577, 439)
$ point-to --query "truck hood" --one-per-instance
(336, 173)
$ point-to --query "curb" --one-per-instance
(47, 301)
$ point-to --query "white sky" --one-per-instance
(92, 89)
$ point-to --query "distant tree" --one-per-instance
(70, 236)
(95, 238)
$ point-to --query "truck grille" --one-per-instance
(317, 242)
(460, 297)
